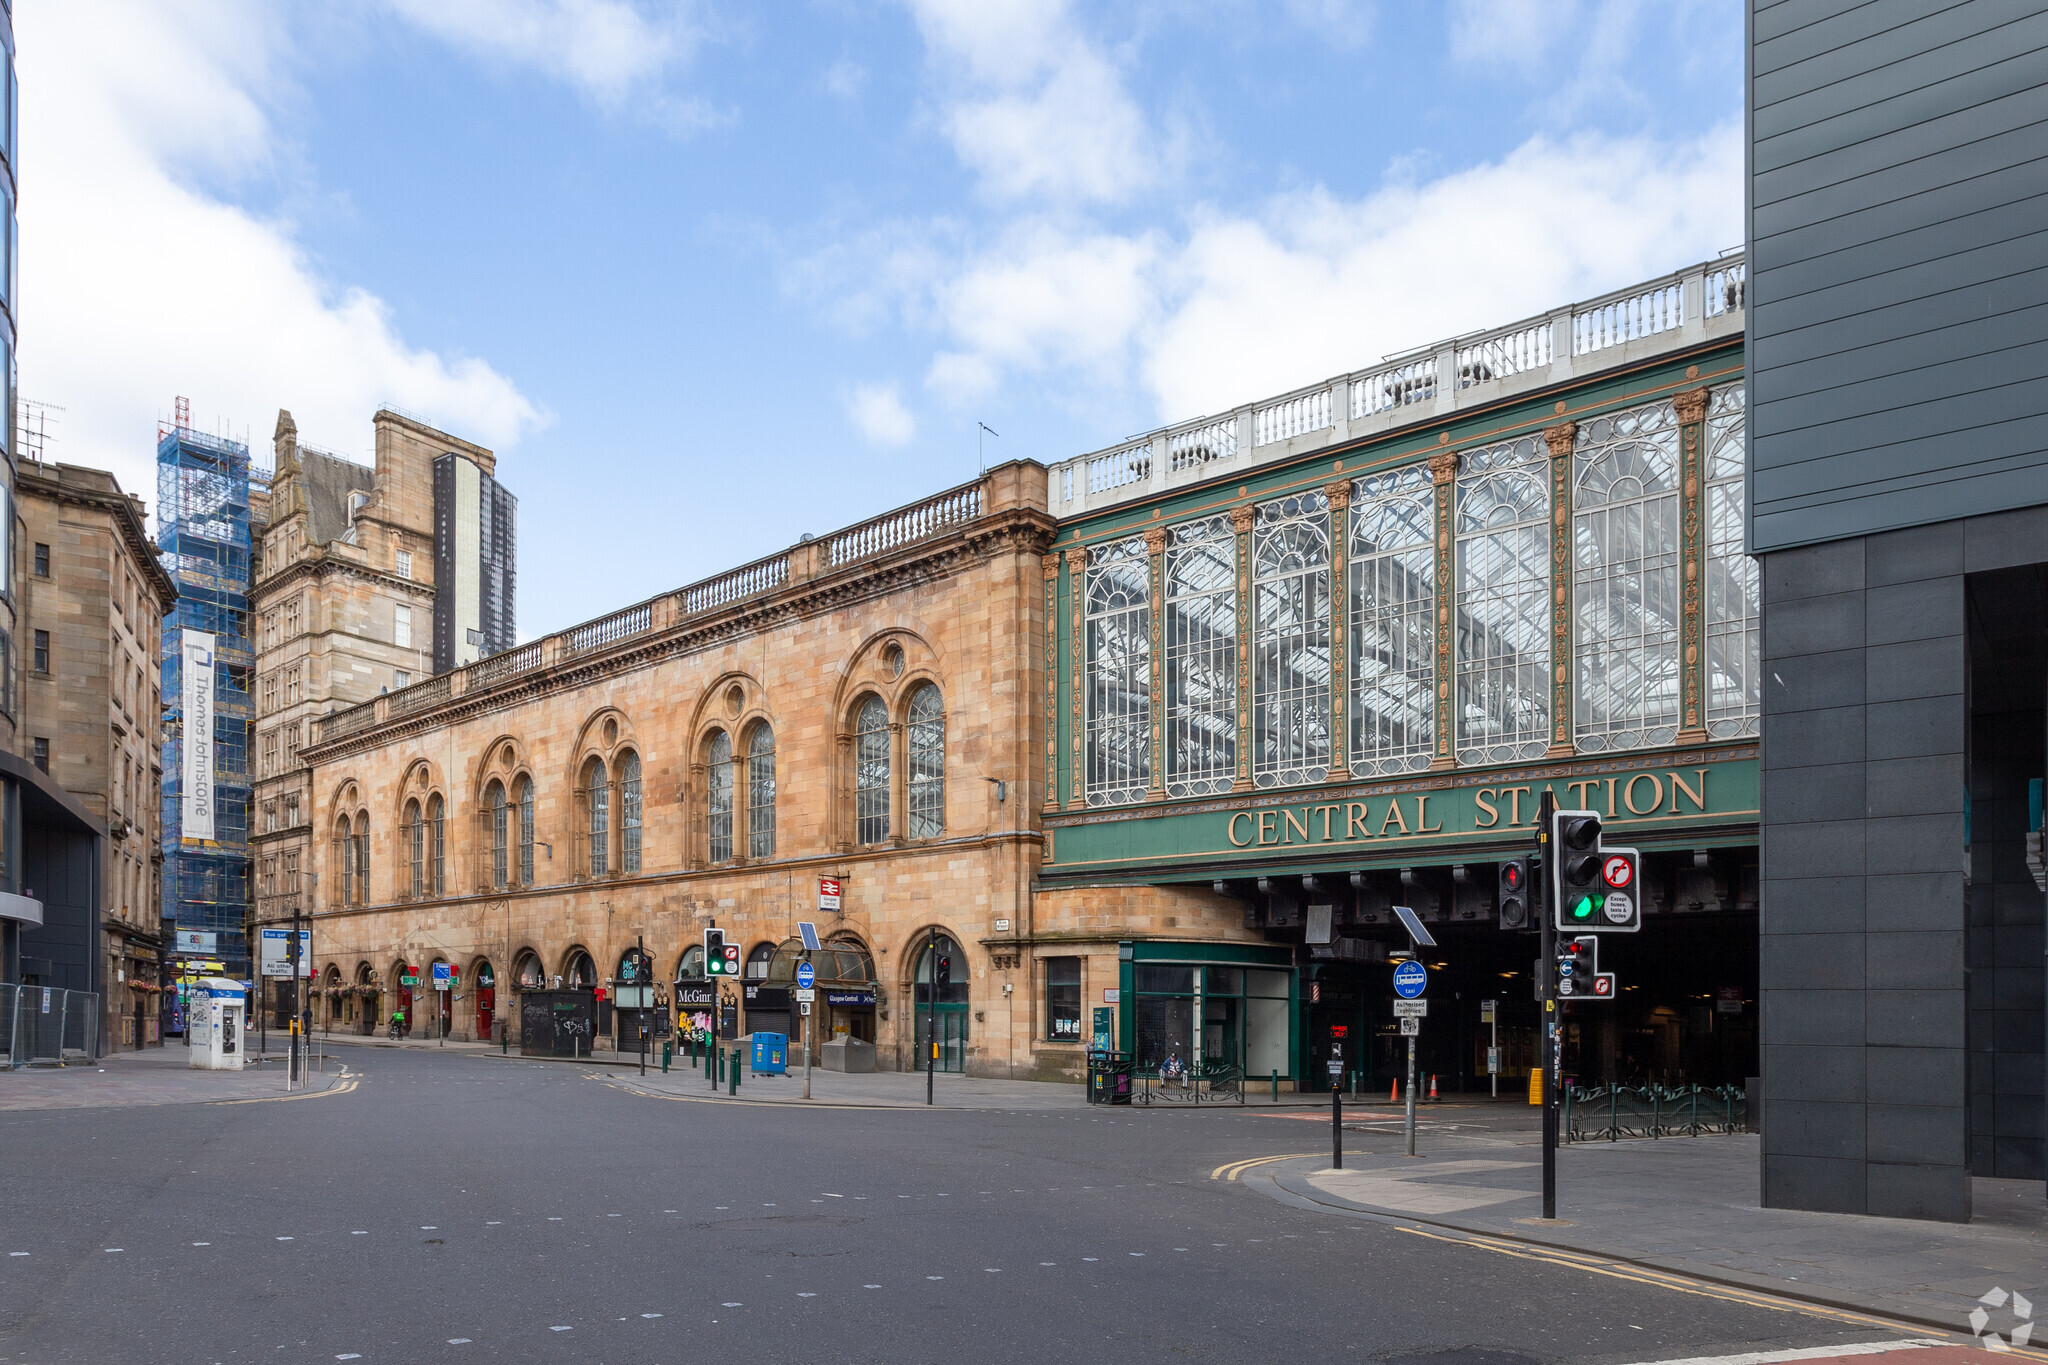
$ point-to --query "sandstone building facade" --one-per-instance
(93, 596)
(344, 607)
(862, 707)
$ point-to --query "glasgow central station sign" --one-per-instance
(1410, 817)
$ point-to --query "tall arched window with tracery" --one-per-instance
(1625, 579)
(345, 860)
(597, 802)
(761, 792)
(1291, 641)
(629, 812)
(718, 798)
(1502, 696)
(1393, 621)
(499, 815)
(871, 771)
(416, 848)
(1119, 664)
(525, 790)
(1201, 657)
(361, 840)
(437, 846)
(1733, 667)
(925, 791)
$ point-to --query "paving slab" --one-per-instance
(155, 1075)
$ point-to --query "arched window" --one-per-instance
(758, 960)
(1502, 696)
(718, 798)
(1201, 657)
(629, 812)
(635, 968)
(1733, 670)
(1393, 622)
(582, 971)
(501, 833)
(871, 771)
(416, 848)
(530, 974)
(1291, 641)
(691, 965)
(345, 860)
(362, 851)
(925, 796)
(1625, 579)
(761, 793)
(525, 790)
(597, 803)
(437, 846)
(1119, 670)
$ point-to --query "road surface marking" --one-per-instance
(1866, 1348)
(1231, 1170)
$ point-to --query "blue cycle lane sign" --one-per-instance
(1410, 979)
(805, 975)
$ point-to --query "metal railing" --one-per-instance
(48, 1026)
(1414, 385)
(1209, 1083)
(1610, 1113)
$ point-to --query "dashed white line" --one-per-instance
(732, 1305)
(650, 1315)
(116, 1248)
(458, 1341)
(285, 1239)
(561, 1329)
(359, 1233)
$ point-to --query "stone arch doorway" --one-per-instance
(486, 988)
(940, 1013)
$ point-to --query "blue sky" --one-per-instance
(709, 276)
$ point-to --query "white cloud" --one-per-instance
(1311, 285)
(1032, 106)
(877, 412)
(1512, 32)
(845, 79)
(617, 53)
(138, 287)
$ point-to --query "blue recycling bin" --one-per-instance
(771, 1054)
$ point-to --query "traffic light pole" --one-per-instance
(931, 1027)
(1551, 1037)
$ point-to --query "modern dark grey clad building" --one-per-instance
(474, 554)
(1898, 395)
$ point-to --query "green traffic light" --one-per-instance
(1583, 908)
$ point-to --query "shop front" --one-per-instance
(1218, 1012)
(845, 996)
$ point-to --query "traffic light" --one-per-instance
(1514, 894)
(714, 952)
(1578, 970)
(1575, 901)
(942, 971)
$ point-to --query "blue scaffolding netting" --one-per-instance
(202, 506)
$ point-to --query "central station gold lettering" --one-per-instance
(1317, 824)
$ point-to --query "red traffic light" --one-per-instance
(1511, 876)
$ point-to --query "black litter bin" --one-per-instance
(1109, 1077)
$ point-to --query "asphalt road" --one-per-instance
(454, 1208)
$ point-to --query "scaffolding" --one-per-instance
(202, 513)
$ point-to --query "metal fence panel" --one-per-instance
(1613, 1112)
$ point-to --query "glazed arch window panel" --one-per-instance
(718, 794)
(1291, 642)
(1201, 657)
(1118, 720)
(871, 771)
(1625, 590)
(1392, 617)
(1730, 602)
(629, 812)
(761, 792)
(925, 790)
(1501, 689)
(597, 810)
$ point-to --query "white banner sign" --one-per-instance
(276, 955)
(196, 669)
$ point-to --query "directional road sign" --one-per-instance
(444, 976)
(1617, 872)
(806, 975)
(1411, 978)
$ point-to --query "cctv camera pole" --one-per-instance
(1551, 1038)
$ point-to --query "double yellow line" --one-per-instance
(1231, 1170)
(341, 1088)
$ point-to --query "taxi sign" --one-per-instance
(1618, 872)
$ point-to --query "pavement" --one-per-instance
(1688, 1205)
(156, 1075)
(451, 1206)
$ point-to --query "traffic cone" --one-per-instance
(1394, 1095)
(1432, 1085)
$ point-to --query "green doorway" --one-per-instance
(941, 1012)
